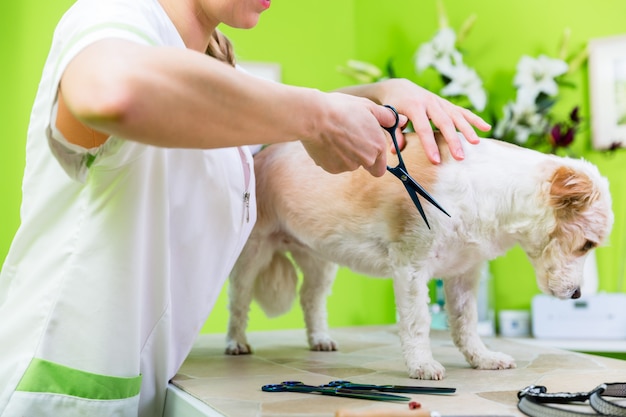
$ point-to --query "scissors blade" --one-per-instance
(421, 191)
(413, 390)
(404, 177)
(378, 396)
(417, 203)
(406, 389)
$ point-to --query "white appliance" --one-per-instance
(597, 316)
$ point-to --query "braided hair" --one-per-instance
(221, 48)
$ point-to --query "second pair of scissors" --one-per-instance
(297, 386)
(407, 389)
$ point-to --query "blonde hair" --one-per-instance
(221, 48)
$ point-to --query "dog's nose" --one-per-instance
(576, 294)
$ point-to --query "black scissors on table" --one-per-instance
(338, 391)
(408, 389)
(400, 171)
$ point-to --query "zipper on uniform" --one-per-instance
(246, 202)
(246, 174)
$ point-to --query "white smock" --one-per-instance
(122, 251)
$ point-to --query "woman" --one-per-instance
(138, 194)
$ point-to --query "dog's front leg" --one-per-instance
(462, 313)
(411, 295)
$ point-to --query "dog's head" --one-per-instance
(580, 202)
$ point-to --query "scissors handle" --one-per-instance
(392, 130)
(297, 386)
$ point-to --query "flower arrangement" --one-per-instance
(443, 54)
(530, 120)
(460, 82)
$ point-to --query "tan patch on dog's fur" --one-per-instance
(422, 171)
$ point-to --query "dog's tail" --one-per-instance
(276, 286)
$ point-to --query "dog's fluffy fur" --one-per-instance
(556, 209)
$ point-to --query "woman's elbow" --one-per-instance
(95, 94)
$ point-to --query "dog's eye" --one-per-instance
(588, 246)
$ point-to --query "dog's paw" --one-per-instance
(493, 360)
(235, 348)
(322, 344)
(427, 370)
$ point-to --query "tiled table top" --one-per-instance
(232, 384)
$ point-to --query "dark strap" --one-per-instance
(533, 400)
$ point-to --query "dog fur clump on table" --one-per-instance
(557, 209)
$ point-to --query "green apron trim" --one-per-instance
(50, 377)
(89, 160)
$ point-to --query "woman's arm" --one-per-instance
(173, 97)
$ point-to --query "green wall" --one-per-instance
(310, 40)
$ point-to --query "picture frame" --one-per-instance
(607, 84)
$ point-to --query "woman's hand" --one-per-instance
(423, 107)
(349, 134)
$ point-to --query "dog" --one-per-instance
(556, 208)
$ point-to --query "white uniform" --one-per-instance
(122, 250)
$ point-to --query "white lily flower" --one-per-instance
(465, 81)
(529, 124)
(535, 76)
(522, 133)
(523, 120)
(504, 125)
(526, 111)
(527, 96)
(439, 53)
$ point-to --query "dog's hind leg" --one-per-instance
(462, 313)
(318, 277)
(411, 295)
(252, 260)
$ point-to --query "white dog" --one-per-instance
(556, 209)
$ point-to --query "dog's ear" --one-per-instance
(571, 192)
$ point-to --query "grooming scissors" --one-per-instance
(400, 171)
(297, 386)
(407, 389)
